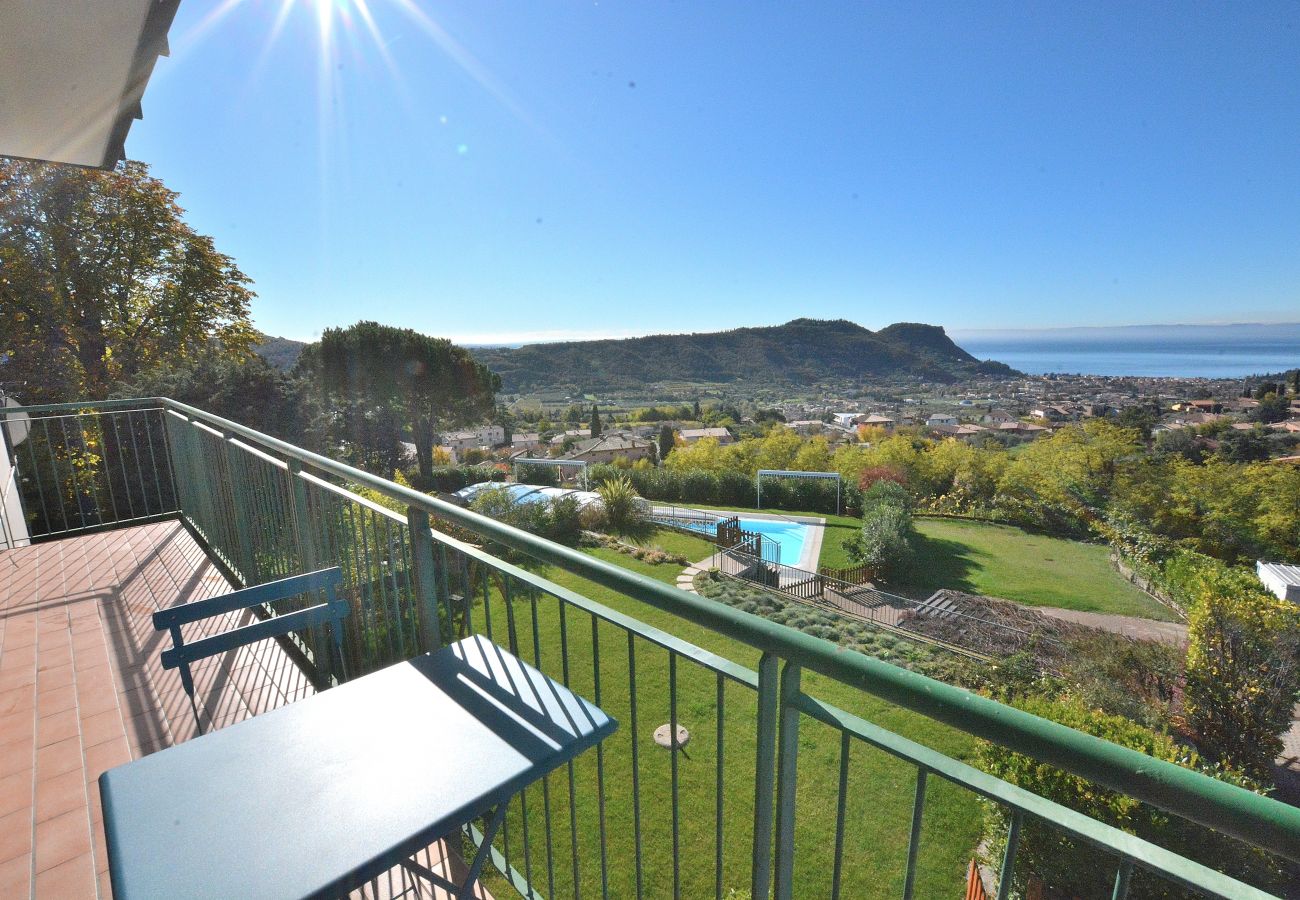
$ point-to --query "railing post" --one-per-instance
(764, 774)
(787, 767)
(426, 582)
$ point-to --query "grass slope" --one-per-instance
(879, 799)
(1035, 569)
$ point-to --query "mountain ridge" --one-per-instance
(801, 351)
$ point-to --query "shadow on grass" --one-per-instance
(939, 563)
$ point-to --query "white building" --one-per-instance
(480, 436)
(941, 419)
(13, 524)
(1281, 579)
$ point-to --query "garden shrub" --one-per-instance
(1050, 864)
(1243, 669)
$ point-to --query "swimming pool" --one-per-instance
(789, 536)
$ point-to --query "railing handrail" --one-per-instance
(1197, 797)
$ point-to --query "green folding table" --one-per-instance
(318, 797)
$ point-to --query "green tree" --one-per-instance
(595, 421)
(101, 279)
(1272, 408)
(885, 542)
(428, 381)
(667, 440)
(247, 391)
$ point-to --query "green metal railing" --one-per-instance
(81, 468)
(631, 819)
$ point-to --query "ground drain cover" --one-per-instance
(663, 735)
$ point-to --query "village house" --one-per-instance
(721, 435)
(878, 421)
(997, 417)
(609, 447)
(1024, 429)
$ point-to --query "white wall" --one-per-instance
(13, 525)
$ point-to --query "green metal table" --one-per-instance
(317, 798)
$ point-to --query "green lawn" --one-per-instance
(1002, 561)
(879, 798)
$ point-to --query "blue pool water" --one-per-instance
(789, 535)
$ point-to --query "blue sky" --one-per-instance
(513, 170)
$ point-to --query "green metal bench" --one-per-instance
(332, 613)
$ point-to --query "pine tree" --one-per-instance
(595, 421)
(666, 441)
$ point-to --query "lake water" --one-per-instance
(1173, 358)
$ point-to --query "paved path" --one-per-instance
(1132, 626)
(686, 580)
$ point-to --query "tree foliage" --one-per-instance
(885, 542)
(1243, 669)
(101, 279)
(385, 372)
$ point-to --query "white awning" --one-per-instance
(72, 74)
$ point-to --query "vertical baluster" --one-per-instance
(673, 769)
(72, 470)
(132, 428)
(636, 767)
(764, 774)
(160, 507)
(546, 779)
(600, 762)
(573, 794)
(487, 602)
(121, 463)
(718, 788)
(1122, 878)
(1009, 857)
(36, 474)
(93, 475)
(841, 805)
(165, 419)
(914, 839)
(786, 780)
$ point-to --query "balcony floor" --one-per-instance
(82, 690)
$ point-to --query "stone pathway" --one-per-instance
(686, 580)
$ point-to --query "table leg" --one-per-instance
(465, 889)
(484, 849)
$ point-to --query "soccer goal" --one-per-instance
(566, 467)
(782, 473)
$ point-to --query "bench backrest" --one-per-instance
(331, 613)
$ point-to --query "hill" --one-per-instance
(280, 353)
(803, 351)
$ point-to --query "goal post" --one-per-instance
(785, 473)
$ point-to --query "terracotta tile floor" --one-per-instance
(82, 690)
